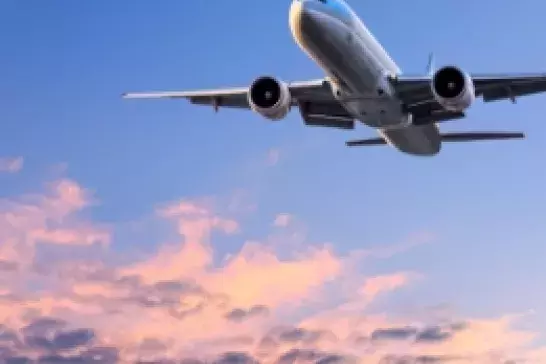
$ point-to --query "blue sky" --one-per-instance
(64, 66)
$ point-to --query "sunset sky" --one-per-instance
(156, 230)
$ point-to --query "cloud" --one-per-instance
(426, 334)
(11, 164)
(273, 156)
(282, 220)
(374, 286)
(257, 302)
(417, 359)
(49, 218)
(398, 333)
(239, 314)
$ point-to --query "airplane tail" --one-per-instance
(430, 65)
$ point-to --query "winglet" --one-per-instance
(430, 65)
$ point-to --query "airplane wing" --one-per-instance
(318, 107)
(416, 93)
(227, 97)
(313, 90)
(314, 99)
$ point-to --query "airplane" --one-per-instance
(363, 84)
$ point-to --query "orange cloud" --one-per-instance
(252, 276)
(256, 275)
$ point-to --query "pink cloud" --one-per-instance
(193, 255)
(82, 235)
(282, 220)
(49, 217)
(301, 302)
(256, 275)
(374, 286)
(11, 164)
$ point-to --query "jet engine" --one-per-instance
(453, 88)
(269, 97)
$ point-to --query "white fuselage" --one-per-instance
(359, 68)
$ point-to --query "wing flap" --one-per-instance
(325, 114)
(432, 112)
(239, 101)
(329, 121)
(511, 91)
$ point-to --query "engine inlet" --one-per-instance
(449, 82)
(265, 92)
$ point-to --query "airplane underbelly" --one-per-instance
(416, 140)
(343, 55)
(332, 45)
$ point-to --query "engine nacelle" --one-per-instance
(453, 88)
(269, 97)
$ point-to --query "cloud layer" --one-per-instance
(67, 297)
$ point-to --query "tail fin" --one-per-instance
(430, 65)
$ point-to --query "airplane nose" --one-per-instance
(303, 19)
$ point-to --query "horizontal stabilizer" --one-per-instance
(447, 137)
(366, 142)
(473, 137)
